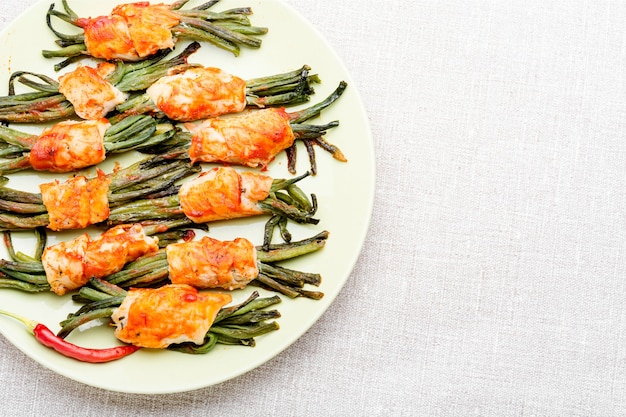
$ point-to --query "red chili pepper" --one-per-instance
(46, 337)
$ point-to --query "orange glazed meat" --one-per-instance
(108, 37)
(211, 263)
(252, 139)
(89, 92)
(198, 93)
(109, 252)
(63, 264)
(159, 317)
(222, 193)
(69, 265)
(69, 145)
(77, 202)
(133, 31)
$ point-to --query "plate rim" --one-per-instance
(329, 298)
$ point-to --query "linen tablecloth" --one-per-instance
(492, 279)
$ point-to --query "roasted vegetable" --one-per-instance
(223, 193)
(203, 92)
(171, 89)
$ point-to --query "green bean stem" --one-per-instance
(129, 133)
(313, 134)
(45, 103)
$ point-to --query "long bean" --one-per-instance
(130, 133)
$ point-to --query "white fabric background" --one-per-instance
(492, 279)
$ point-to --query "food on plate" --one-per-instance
(219, 194)
(133, 255)
(131, 32)
(91, 94)
(224, 193)
(69, 146)
(254, 138)
(198, 93)
(81, 201)
(148, 191)
(230, 265)
(202, 92)
(136, 31)
(158, 317)
(69, 265)
(76, 203)
(173, 88)
(175, 316)
(76, 91)
(72, 145)
(210, 263)
(145, 275)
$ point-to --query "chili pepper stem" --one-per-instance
(28, 323)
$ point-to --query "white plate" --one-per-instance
(345, 192)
